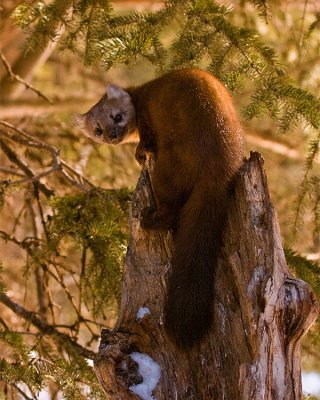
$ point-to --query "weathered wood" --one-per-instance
(260, 312)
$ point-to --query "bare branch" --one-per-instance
(25, 244)
(58, 165)
(10, 171)
(19, 79)
(29, 141)
(12, 156)
(76, 173)
(32, 179)
(72, 181)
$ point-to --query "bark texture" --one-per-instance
(261, 311)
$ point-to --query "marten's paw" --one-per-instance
(141, 155)
(160, 219)
(147, 218)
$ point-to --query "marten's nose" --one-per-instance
(112, 135)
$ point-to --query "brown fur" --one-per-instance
(188, 120)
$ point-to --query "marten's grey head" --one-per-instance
(111, 120)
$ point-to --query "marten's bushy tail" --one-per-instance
(188, 309)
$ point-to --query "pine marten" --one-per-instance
(187, 119)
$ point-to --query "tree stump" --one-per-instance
(261, 311)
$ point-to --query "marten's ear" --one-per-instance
(116, 92)
(79, 119)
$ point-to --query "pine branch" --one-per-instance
(263, 8)
(43, 22)
(305, 269)
(306, 186)
(96, 222)
(62, 338)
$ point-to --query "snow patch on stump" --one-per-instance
(150, 372)
(142, 312)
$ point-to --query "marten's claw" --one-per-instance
(141, 156)
(147, 220)
(157, 218)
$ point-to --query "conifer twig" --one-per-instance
(21, 392)
(24, 244)
(305, 182)
(19, 79)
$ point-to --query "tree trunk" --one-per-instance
(261, 311)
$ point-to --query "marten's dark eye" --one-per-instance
(117, 118)
(98, 131)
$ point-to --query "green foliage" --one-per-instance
(15, 341)
(46, 21)
(76, 379)
(97, 222)
(309, 189)
(93, 27)
(94, 222)
(21, 372)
